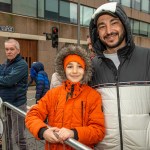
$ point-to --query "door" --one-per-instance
(28, 50)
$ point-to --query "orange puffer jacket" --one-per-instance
(81, 111)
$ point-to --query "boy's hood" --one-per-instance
(71, 49)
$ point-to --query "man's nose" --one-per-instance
(108, 29)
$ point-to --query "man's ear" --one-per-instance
(18, 51)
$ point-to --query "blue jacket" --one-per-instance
(40, 77)
(13, 81)
(42, 84)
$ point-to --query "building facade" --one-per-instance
(28, 20)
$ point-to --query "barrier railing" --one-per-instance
(71, 142)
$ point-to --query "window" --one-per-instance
(149, 30)
(145, 5)
(136, 4)
(64, 12)
(85, 15)
(25, 7)
(136, 27)
(5, 5)
(131, 24)
(51, 9)
(68, 12)
(143, 29)
(115, 1)
(126, 3)
(73, 13)
(40, 9)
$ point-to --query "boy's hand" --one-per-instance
(64, 134)
(50, 136)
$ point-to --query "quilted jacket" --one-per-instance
(70, 105)
(13, 81)
(125, 91)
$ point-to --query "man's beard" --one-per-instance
(121, 38)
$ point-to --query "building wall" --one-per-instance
(32, 29)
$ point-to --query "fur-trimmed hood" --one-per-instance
(77, 50)
(114, 9)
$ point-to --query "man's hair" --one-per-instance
(17, 45)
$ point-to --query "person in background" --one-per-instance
(121, 73)
(74, 109)
(13, 89)
(90, 48)
(55, 80)
(40, 77)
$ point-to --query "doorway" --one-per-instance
(28, 50)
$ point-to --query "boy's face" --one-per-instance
(74, 72)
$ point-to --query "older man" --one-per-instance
(13, 89)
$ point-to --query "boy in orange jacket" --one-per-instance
(74, 109)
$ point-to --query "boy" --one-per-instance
(73, 108)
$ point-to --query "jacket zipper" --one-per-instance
(82, 112)
(119, 112)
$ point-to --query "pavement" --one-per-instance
(31, 95)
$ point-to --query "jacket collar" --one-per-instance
(73, 89)
(17, 58)
(124, 52)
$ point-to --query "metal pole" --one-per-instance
(70, 141)
(78, 19)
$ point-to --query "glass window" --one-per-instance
(73, 13)
(126, 3)
(143, 28)
(136, 25)
(6, 1)
(5, 5)
(25, 7)
(81, 12)
(145, 5)
(86, 13)
(40, 9)
(51, 9)
(149, 30)
(131, 24)
(115, 1)
(136, 4)
(64, 12)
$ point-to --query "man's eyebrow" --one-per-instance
(113, 19)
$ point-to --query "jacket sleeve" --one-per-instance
(34, 119)
(17, 74)
(94, 125)
(40, 85)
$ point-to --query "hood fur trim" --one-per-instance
(73, 50)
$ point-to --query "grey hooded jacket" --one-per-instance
(125, 91)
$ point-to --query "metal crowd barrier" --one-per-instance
(71, 142)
